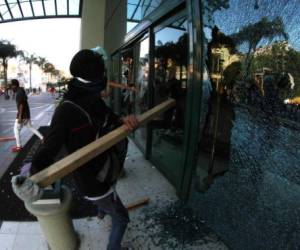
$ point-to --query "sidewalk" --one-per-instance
(158, 225)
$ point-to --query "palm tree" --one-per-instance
(30, 60)
(49, 68)
(41, 61)
(254, 33)
(7, 50)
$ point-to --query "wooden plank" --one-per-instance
(73, 161)
(137, 203)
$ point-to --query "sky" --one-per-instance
(56, 39)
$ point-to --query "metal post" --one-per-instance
(56, 223)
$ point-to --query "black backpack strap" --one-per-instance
(81, 109)
(100, 129)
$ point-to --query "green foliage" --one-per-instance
(280, 59)
(253, 33)
(7, 50)
(49, 68)
(262, 61)
(175, 51)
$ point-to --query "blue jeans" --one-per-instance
(113, 206)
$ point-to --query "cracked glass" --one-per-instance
(248, 171)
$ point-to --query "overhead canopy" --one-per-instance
(138, 9)
(18, 10)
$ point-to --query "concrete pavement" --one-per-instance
(151, 226)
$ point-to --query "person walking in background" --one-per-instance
(23, 115)
(52, 91)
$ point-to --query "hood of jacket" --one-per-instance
(78, 90)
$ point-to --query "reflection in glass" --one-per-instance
(141, 85)
(249, 125)
(127, 96)
(114, 93)
(170, 80)
(224, 68)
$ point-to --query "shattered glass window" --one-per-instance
(248, 173)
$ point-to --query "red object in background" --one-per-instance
(16, 149)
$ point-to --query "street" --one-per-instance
(39, 106)
(41, 109)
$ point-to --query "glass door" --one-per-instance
(170, 81)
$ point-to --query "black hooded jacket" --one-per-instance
(70, 127)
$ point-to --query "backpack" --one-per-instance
(114, 164)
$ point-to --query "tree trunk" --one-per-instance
(248, 60)
(30, 68)
(4, 64)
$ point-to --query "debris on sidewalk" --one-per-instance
(138, 203)
(174, 226)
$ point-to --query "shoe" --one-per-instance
(101, 215)
(16, 149)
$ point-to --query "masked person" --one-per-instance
(76, 123)
(23, 115)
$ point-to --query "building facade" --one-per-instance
(230, 145)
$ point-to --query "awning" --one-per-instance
(19, 10)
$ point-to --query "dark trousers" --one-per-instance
(113, 206)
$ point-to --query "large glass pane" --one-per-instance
(170, 81)
(141, 86)
(4, 12)
(61, 7)
(248, 161)
(38, 8)
(50, 8)
(73, 7)
(114, 92)
(15, 10)
(26, 8)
